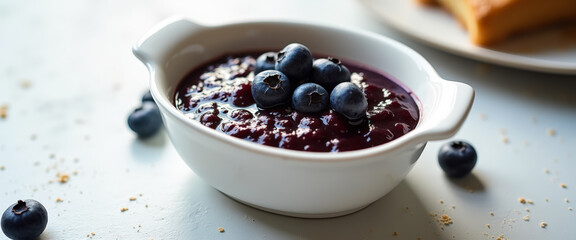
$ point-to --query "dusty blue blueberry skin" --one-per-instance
(329, 72)
(271, 88)
(457, 158)
(310, 98)
(145, 120)
(266, 61)
(147, 97)
(25, 219)
(349, 100)
(295, 60)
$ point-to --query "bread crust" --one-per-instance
(492, 21)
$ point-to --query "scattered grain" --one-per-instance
(63, 178)
(123, 209)
(526, 218)
(220, 229)
(551, 132)
(445, 219)
(4, 111)
(25, 84)
(522, 200)
(563, 185)
(132, 198)
(543, 224)
(483, 116)
(395, 233)
(59, 200)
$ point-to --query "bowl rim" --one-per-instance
(413, 139)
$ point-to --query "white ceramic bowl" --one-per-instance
(289, 182)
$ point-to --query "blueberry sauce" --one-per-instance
(218, 95)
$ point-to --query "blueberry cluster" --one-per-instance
(293, 76)
(146, 120)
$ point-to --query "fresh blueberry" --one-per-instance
(145, 120)
(310, 98)
(147, 97)
(271, 88)
(457, 158)
(295, 60)
(349, 100)
(265, 61)
(24, 220)
(329, 72)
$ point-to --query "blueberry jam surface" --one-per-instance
(218, 95)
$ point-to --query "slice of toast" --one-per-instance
(492, 21)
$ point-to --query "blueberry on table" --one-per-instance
(295, 60)
(24, 220)
(349, 100)
(457, 158)
(271, 88)
(266, 61)
(147, 97)
(310, 98)
(145, 120)
(329, 72)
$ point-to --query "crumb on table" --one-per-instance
(543, 224)
(445, 219)
(123, 209)
(220, 229)
(551, 132)
(63, 178)
(25, 84)
(4, 111)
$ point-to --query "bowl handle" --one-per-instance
(156, 43)
(453, 103)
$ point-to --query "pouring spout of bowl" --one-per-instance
(153, 47)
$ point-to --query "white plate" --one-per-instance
(551, 50)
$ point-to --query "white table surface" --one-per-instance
(69, 80)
